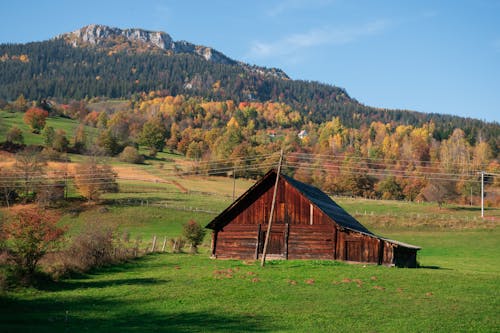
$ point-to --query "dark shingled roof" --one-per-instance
(327, 205)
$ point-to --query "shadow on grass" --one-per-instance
(467, 209)
(434, 267)
(143, 201)
(89, 283)
(101, 314)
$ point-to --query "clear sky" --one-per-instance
(429, 56)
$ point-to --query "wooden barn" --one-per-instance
(307, 224)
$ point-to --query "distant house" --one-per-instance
(302, 134)
(307, 224)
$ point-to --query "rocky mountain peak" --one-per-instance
(140, 40)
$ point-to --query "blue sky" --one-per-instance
(429, 56)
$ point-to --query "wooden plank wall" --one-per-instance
(353, 246)
(315, 241)
(237, 241)
(321, 240)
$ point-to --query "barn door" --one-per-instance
(276, 244)
(353, 250)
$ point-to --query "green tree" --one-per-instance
(390, 189)
(153, 136)
(194, 233)
(48, 134)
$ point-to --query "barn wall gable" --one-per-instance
(307, 224)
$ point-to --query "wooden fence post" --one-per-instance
(154, 244)
(164, 243)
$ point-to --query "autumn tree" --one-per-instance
(9, 185)
(131, 155)
(31, 233)
(29, 167)
(80, 139)
(20, 104)
(108, 143)
(60, 141)
(35, 117)
(15, 135)
(93, 178)
(439, 191)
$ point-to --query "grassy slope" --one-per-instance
(9, 119)
(184, 293)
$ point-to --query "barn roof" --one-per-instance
(313, 194)
(327, 205)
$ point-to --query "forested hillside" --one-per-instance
(55, 69)
(140, 89)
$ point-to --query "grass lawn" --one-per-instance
(457, 292)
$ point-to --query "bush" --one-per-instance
(15, 135)
(31, 234)
(194, 234)
(92, 247)
(131, 155)
(177, 244)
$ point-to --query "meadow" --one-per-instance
(455, 290)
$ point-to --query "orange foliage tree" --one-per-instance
(31, 234)
(35, 118)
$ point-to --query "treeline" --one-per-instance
(377, 160)
(54, 69)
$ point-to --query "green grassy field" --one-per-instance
(457, 292)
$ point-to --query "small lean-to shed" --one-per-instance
(307, 224)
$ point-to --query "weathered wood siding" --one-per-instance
(354, 246)
(237, 241)
(300, 230)
(312, 241)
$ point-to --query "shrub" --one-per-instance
(30, 235)
(15, 135)
(131, 155)
(92, 247)
(194, 234)
(177, 244)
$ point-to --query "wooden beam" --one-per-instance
(258, 242)
(214, 243)
(266, 243)
(287, 234)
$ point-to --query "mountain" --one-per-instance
(112, 39)
(98, 60)
(138, 40)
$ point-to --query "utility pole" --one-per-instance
(271, 215)
(234, 181)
